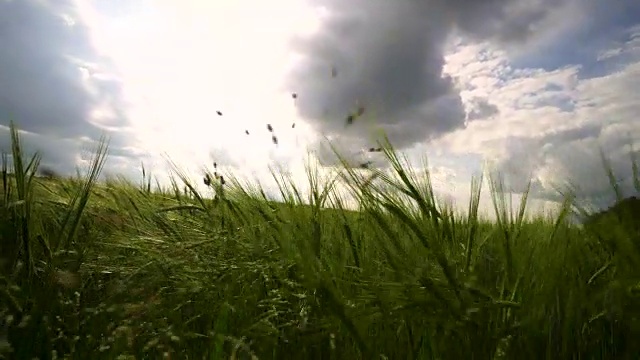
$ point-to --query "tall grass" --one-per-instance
(118, 270)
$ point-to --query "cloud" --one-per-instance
(55, 85)
(534, 86)
(390, 56)
(553, 123)
(481, 109)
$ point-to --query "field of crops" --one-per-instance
(117, 270)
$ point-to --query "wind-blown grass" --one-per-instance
(118, 270)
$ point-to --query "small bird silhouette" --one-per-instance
(246, 132)
(294, 95)
(219, 112)
(293, 126)
(269, 128)
(274, 139)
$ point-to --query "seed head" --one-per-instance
(350, 119)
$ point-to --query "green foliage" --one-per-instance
(116, 270)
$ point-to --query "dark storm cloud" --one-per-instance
(608, 21)
(52, 78)
(389, 57)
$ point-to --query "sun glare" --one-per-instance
(199, 75)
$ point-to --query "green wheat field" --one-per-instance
(121, 270)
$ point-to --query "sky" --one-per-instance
(530, 88)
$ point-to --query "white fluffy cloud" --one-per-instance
(552, 123)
